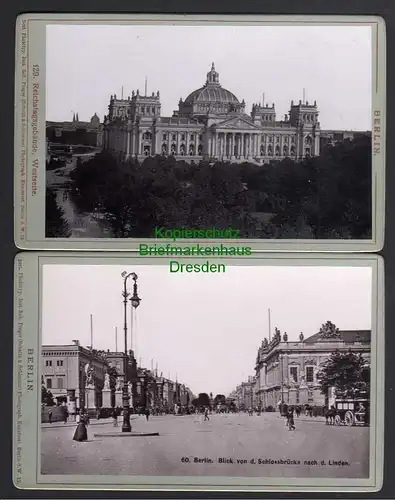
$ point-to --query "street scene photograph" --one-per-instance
(264, 128)
(260, 372)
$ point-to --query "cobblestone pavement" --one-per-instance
(189, 448)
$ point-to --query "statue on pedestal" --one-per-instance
(118, 385)
(89, 376)
(107, 381)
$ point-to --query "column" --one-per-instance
(133, 142)
(316, 145)
(178, 144)
(157, 139)
(127, 143)
(140, 146)
(196, 143)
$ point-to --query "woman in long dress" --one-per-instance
(81, 434)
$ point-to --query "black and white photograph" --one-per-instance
(265, 128)
(265, 372)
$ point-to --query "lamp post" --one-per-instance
(135, 300)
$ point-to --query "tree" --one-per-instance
(46, 396)
(55, 222)
(203, 399)
(328, 196)
(220, 399)
(347, 372)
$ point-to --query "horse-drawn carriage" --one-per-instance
(349, 412)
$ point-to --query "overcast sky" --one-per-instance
(204, 328)
(88, 63)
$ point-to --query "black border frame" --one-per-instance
(10, 10)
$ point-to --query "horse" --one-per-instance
(330, 415)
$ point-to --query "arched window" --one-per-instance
(292, 150)
(191, 150)
(270, 150)
(308, 140)
(147, 136)
(277, 138)
(191, 138)
(262, 150)
(277, 150)
(173, 149)
(200, 150)
(286, 139)
(182, 149)
(293, 139)
(164, 149)
(164, 137)
(285, 151)
(183, 137)
(174, 137)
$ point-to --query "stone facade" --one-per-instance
(76, 132)
(288, 370)
(245, 395)
(63, 373)
(210, 124)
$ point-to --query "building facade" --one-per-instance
(63, 372)
(212, 124)
(287, 371)
(76, 132)
(244, 396)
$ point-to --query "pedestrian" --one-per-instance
(50, 416)
(290, 419)
(196, 419)
(206, 417)
(147, 413)
(65, 415)
(114, 417)
(297, 411)
(81, 433)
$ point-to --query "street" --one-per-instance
(223, 446)
(81, 225)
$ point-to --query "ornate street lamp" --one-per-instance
(135, 300)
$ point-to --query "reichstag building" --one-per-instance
(211, 124)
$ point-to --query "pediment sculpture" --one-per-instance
(329, 331)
